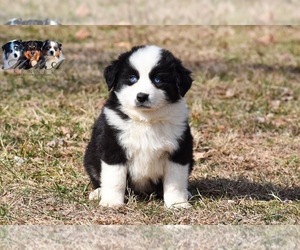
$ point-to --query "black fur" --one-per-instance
(103, 145)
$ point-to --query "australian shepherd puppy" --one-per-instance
(51, 48)
(142, 137)
(12, 52)
(52, 55)
(32, 52)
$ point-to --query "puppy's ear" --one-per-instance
(183, 78)
(110, 74)
(44, 44)
(21, 45)
(39, 44)
(5, 46)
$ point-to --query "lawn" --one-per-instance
(244, 112)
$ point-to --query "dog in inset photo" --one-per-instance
(142, 140)
(52, 55)
(51, 48)
(32, 53)
(12, 51)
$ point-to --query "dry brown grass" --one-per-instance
(244, 109)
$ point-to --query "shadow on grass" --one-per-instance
(221, 187)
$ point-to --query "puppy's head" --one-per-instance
(12, 49)
(147, 77)
(51, 48)
(32, 46)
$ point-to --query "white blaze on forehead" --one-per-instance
(52, 44)
(145, 58)
(143, 61)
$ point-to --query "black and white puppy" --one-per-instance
(52, 55)
(51, 48)
(142, 137)
(12, 51)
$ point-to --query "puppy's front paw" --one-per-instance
(179, 205)
(33, 63)
(177, 201)
(111, 203)
(111, 199)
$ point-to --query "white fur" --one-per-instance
(175, 185)
(15, 53)
(52, 45)
(144, 59)
(150, 140)
(113, 184)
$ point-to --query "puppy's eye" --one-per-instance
(156, 80)
(133, 79)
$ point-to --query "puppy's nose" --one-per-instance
(142, 97)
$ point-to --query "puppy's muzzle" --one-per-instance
(142, 97)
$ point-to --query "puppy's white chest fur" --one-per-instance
(149, 140)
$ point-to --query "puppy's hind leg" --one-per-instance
(92, 165)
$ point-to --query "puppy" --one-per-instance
(32, 52)
(51, 48)
(52, 55)
(142, 137)
(12, 51)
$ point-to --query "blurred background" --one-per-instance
(140, 12)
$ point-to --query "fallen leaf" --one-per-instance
(222, 127)
(230, 93)
(260, 119)
(266, 39)
(100, 103)
(82, 33)
(124, 44)
(199, 155)
(19, 160)
(65, 130)
(275, 104)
